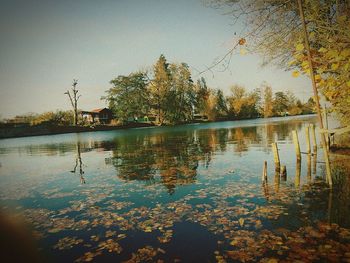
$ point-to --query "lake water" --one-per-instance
(190, 193)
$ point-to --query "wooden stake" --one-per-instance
(314, 163)
(326, 122)
(284, 173)
(313, 134)
(264, 174)
(296, 145)
(308, 176)
(277, 180)
(314, 87)
(308, 146)
(276, 156)
(297, 174)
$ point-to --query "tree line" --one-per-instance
(275, 30)
(169, 93)
(58, 117)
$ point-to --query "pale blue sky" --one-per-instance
(45, 44)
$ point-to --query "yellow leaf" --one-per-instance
(292, 62)
(347, 66)
(305, 64)
(348, 83)
(243, 51)
(342, 18)
(307, 71)
(335, 66)
(320, 70)
(345, 53)
(317, 77)
(233, 242)
(295, 74)
(241, 221)
(332, 53)
(322, 50)
(299, 56)
(242, 41)
(272, 260)
(299, 47)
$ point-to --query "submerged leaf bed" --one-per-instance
(247, 222)
(193, 197)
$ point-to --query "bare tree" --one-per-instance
(74, 100)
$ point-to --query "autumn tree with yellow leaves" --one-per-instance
(274, 29)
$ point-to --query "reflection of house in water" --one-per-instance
(103, 115)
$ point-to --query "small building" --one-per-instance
(200, 117)
(98, 116)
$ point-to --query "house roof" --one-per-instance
(95, 111)
(99, 110)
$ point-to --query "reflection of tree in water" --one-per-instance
(272, 132)
(243, 138)
(79, 163)
(173, 160)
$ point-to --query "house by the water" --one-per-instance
(98, 116)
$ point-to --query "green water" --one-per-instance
(190, 193)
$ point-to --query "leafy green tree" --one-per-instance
(236, 100)
(182, 96)
(309, 106)
(202, 97)
(243, 105)
(129, 97)
(268, 101)
(280, 103)
(221, 105)
(160, 88)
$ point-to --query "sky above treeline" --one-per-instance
(46, 44)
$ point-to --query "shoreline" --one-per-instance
(19, 132)
(28, 131)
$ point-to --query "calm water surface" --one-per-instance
(189, 193)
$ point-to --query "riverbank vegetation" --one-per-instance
(169, 93)
(274, 29)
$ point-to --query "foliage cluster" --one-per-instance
(58, 117)
(274, 29)
(171, 96)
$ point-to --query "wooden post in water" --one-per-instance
(284, 173)
(297, 174)
(326, 118)
(264, 174)
(314, 163)
(309, 168)
(313, 134)
(314, 87)
(276, 156)
(277, 180)
(308, 145)
(296, 145)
